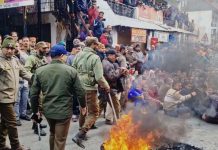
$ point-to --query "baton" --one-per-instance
(39, 133)
(112, 106)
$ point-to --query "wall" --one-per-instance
(124, 35)
(53, 29)
(203, 20)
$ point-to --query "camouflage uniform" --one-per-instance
(35, 61)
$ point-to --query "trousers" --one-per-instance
(86, 121)
(58, 133)
(8, 126)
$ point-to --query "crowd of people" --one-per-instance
(92, 79)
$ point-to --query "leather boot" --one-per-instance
(80, 136)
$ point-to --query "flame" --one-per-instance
(125, 136)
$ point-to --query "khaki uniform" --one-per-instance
(10, 71)
(90, 70)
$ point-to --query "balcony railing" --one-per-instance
(46, 6)
(121, 9)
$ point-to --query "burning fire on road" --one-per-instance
(131, 134)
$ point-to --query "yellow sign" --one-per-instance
(138, 35)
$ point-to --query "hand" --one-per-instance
(36, 117)
(83, 111)
(107, 90)
(193, 93)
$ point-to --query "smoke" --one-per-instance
(163, 128)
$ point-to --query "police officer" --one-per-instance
(58, 83)
(10, 71)
(89, 66)
(32, 63)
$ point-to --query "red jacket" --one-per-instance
(93, 14)
(104, 40)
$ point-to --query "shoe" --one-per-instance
(27, 118)
(19, 123)
(74, 118)
(108, 122)
(79, 138)
(5, 148)
(94, 127)
(29, 112)
(42, 132)
(43, 126)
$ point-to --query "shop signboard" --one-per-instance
(162, 36)
(138, 35)
(15, 3)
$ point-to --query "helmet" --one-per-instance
(134, 94)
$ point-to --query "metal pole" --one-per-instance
(39, 20)
(24, 22)
(112, 106)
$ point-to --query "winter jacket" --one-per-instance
(111, 72)
(173, 98)
(103, 39)
(98, 28)
(33, 62)
(10, 71)
(58, 83)
(93, 14)
(89, 67)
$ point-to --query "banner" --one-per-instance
(15, 3)
(149, 13)
(138, 35)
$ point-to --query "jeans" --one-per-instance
(22, 100)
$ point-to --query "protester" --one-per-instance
(90, 70)
(173, 101)
(72, 54)
(112, 73)
(140, 58)
(8, 93)
(57, 103)
(14, 35)
(98, 26)
(32, 42)
(109, 37)
(93, 13)
(23, 94)
(104, 38)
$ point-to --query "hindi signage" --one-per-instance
(138, 35)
